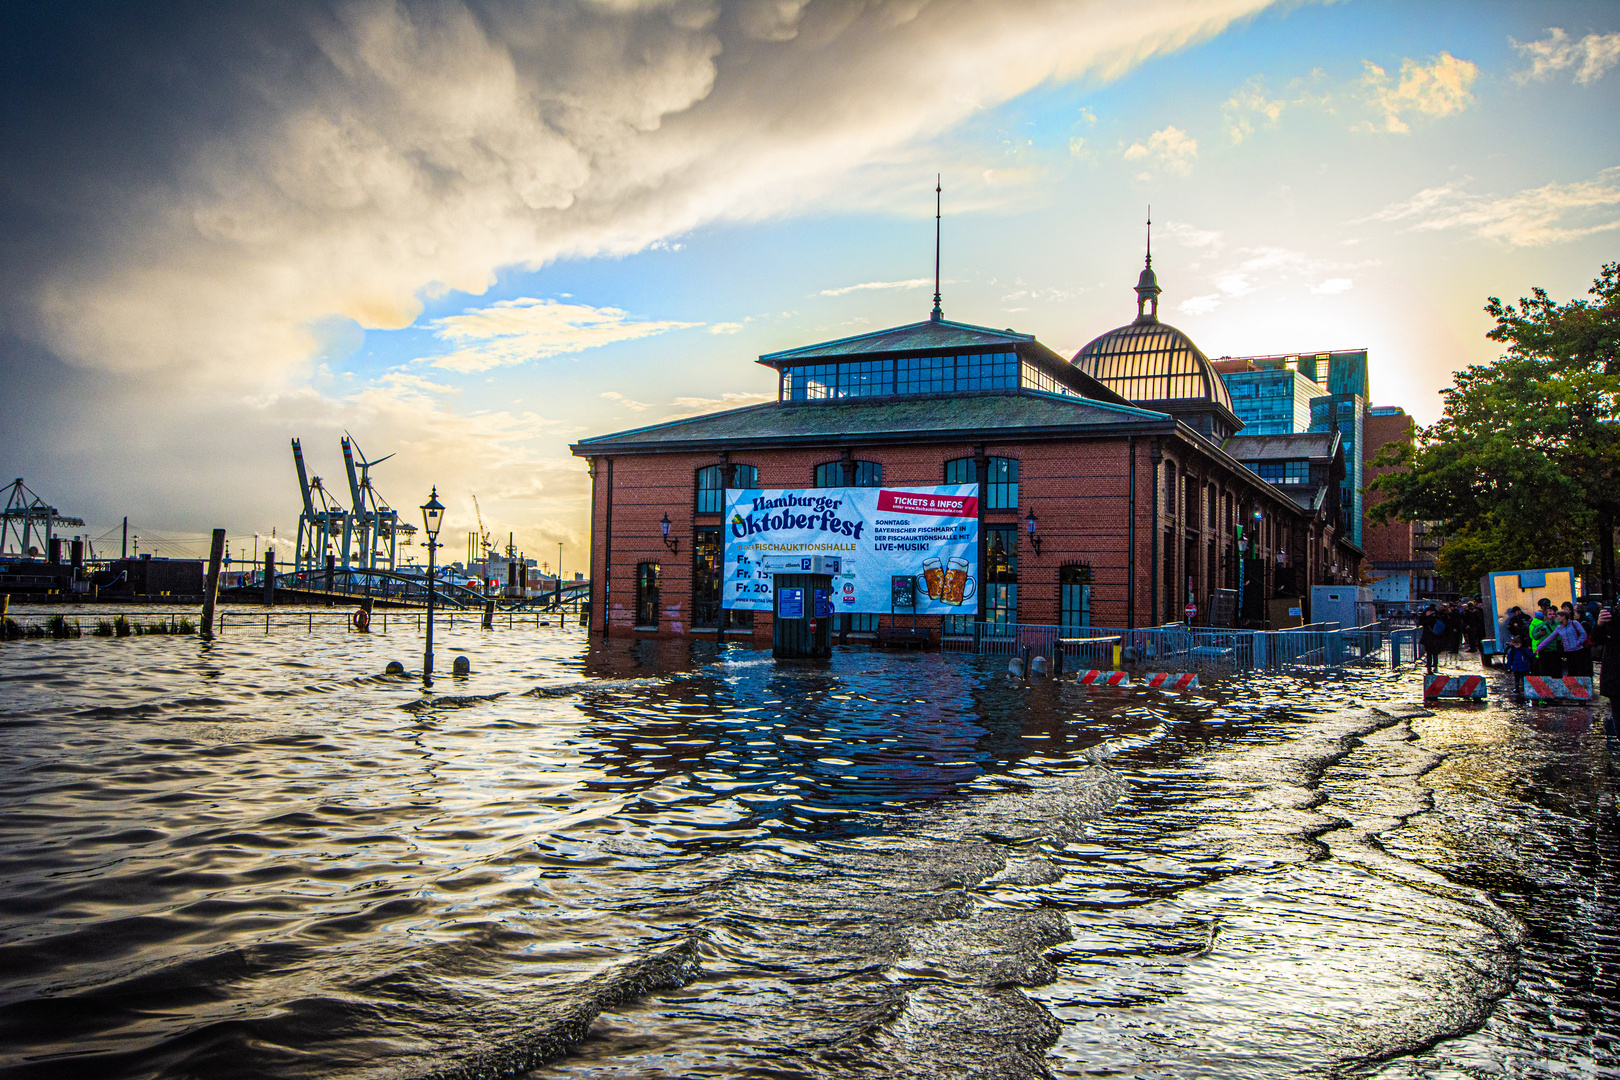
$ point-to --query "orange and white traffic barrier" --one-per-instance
(1457, 686)
(1575, 689)
(1103, 678)
(1165, 681)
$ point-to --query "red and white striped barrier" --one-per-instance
(1165, 681)
(1571, 688)
(1103, 678)
(1458, 686)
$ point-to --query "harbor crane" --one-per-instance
(376, 522)
(321, 524)
(28, 519)
(484, 545)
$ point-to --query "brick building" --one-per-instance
(1115, 459)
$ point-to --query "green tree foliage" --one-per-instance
(1523, 468)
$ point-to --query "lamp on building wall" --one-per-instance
(673, 543)
(1031, 524)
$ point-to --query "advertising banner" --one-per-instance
(863, 537)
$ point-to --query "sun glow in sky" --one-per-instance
(472, 233)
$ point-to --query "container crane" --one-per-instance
(377, 523)
(27, 518)
(320, 524)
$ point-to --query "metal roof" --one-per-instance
(932, 335)
(973, 416)
(1317, 446)
(1148, 360)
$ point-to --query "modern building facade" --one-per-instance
(1401, 556)
(1115, 459)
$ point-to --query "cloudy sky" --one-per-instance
(470, 233)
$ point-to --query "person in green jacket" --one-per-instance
(1541, 627)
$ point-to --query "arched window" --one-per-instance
(711, 486)
(867, 474)
(1001, 480)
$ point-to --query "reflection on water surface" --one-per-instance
(260, 857)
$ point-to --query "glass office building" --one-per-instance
(1272, 401)
(1346, 414)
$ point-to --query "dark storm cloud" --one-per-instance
(188, 190)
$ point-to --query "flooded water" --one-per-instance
(262, 858)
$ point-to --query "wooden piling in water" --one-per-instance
(216, 555)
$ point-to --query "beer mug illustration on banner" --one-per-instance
(933, 578)
(958, 585)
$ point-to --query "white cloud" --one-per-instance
(629, 403)
(725, 328)
(697, 406)
(431, 145)
(1550, 214)
(1333, 286)
(1437, 89)
(1591, 56)
(517, 331)
(1262, 268)
(1192, 236)
(1247, 103)
(1170, 147)
(909, 283)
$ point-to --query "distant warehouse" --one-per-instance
(1114, 488)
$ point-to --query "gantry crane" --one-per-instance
(376, 523)
(321, 523)
(27, 518)
(484, 545)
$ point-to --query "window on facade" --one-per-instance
(711, 490)
(1033, 378)
(925, 375)
(647, 594)
(867, 474)
(861, 624)
(1170, 488)
(707, 567)
(1283, 472)
(711, 494)
(1001, 488)
(1001, 603)
(1001, 553)
(907, 375)
(1074, 598)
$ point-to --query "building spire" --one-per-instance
(1147, 285)
(937, 314)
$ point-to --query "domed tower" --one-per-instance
(1155, 366)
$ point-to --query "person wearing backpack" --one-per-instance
(1431, 635)
(1541, 625)
(1519, 659)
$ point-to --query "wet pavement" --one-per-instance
(262, 858)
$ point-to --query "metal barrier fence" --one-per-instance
(1177, 647)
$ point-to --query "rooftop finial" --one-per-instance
(937, 314)
(1150, 237)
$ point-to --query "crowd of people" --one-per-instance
(1552, 640)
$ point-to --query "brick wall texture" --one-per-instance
(1078, 488)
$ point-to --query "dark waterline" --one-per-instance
(261, 858)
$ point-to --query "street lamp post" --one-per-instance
(432, 518)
